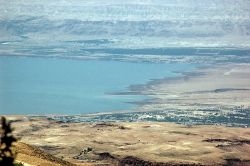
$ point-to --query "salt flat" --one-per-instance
(222, 89)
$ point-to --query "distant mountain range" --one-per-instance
(125, 24)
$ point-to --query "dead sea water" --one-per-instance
(36, 85)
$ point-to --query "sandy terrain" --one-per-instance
(140, 143)
(222, 87)
(33, 156)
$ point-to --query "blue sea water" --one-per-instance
(36, 85)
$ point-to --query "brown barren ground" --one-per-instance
(30, 155)
(142, 143)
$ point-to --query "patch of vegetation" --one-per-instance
(7, 153)
(182, 132)
(18, 164)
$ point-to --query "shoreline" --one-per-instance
(192, 94)
(203, 78)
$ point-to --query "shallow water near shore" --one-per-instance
(32, 85)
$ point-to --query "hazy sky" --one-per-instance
(127, 10)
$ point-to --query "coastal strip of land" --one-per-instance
(215, 94)
(221, 87)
